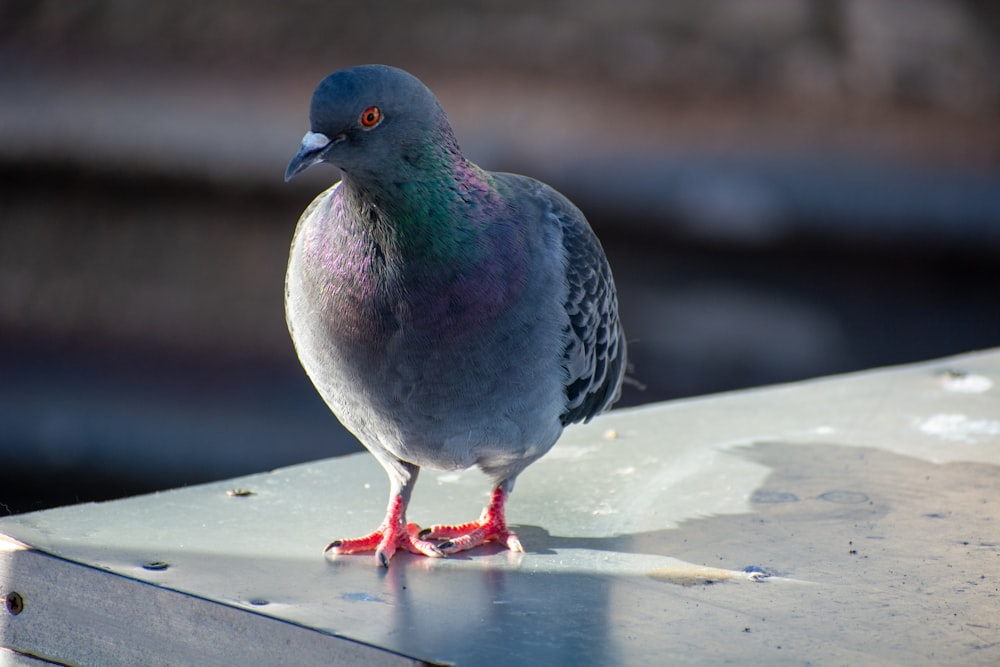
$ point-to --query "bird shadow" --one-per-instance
(815, 494)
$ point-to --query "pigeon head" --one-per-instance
(370, 120)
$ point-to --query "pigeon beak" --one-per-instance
(309, 154)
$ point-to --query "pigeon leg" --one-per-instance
(393, 533)
(491, 526)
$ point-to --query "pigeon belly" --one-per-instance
(434, 374)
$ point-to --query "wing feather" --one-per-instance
(594, 351)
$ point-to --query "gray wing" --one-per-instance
(593, 342)
(594, 356)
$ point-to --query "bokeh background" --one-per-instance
(786, 189)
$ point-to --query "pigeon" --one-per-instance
(449, 316)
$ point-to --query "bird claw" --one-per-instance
(417, 545)
(513, 543)
(457, 542)
(490, 527)
(447, 539)
(384, 542)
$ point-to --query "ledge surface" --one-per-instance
(847, 520)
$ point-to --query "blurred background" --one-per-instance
(785, 190)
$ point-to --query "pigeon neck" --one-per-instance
(433, 209)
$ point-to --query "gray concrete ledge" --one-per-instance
(848, 520)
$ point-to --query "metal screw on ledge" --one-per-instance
(14, 603)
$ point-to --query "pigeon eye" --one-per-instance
(371, 117)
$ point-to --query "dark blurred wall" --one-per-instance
(939, 53)
(786, 189)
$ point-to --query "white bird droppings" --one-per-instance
(957, 427)
(967, 384)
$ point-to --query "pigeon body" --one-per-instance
(449, 316)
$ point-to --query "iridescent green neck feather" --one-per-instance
(433, 205)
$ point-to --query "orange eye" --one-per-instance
(371, 117)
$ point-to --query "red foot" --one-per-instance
(389, 536)
(491, 526)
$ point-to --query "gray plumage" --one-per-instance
(450, 317)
